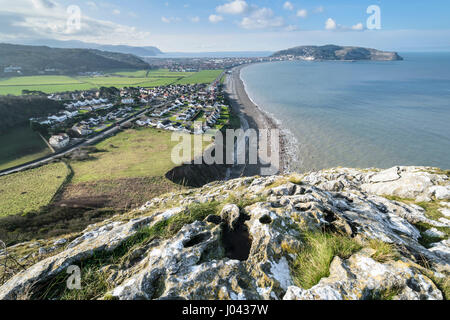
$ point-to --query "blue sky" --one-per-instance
(232, 25)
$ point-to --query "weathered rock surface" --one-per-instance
(200, 261)
(361, 277)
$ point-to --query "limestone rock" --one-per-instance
(248, 252)
(360, 277)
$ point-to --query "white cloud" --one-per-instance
(170, 19)
(261, 19)
(195, 19)
(302, 13)
(47, 19)
(116, 11)
(39, 4)
(214, 18)
(233, 7)
(92, 5)
(288, 6)
(330, 24)
(358, 27)
(319, 9)
(291, 28)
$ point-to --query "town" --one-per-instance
(192, 108)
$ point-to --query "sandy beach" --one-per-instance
(252, 117)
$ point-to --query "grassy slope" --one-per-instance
(41, 185)
(27, 146)
(130, 154)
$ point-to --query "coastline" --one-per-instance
(252, 117)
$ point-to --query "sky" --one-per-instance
(231, 25)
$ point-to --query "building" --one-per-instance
(59, 141)
(128, 101)
(11, 69)
(82, 130)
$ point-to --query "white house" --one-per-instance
(59, 141)
(128, 101)
(82, 130)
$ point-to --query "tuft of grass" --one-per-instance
(431, 209)
(314, 258)
(243, 202)
(443, 285)
(295, 178)
(426, 240)
(277, 183)
(383, 251)
(399, 199)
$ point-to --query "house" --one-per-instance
(11, 69)
(58, 118)
(71, 114)
(128, 101)
(59, 141)
(82, 130)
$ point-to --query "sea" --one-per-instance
(358, 114)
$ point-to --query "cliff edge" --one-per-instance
(333, 52)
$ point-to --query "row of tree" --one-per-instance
(17, 110)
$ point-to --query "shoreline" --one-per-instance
(252, 117)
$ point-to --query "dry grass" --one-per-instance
(383, 251)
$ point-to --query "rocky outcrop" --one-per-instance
(333, 52)
(361, 277)
(247, 247)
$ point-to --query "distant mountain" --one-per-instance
(36, 59)
(333, 52)
(145, 51)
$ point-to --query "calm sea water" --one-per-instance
(359, 114)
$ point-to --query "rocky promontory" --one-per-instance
(333, 52)
(333, 234)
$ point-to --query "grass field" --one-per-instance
(144, 78)
(30, 190)
(27, 146)
(205, 76)
(143, 152)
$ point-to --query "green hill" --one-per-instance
(37, 59)
(333, 52)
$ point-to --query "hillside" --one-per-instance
(146, 51)
(16, 111)
(340, 234)
(333, 52)
(35, 59)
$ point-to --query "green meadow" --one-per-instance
(30, 190)
(143, 78)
